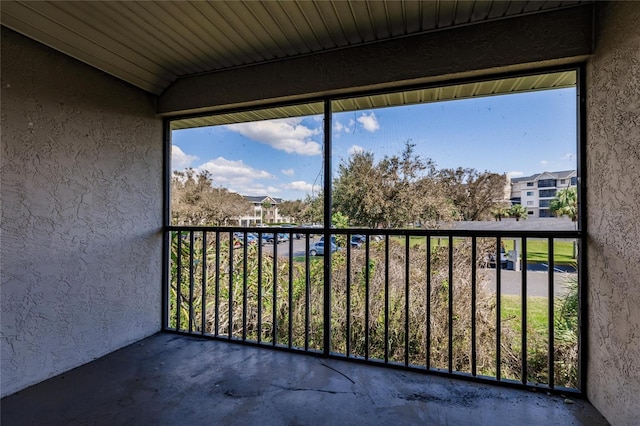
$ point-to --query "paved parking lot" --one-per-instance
(511, 281)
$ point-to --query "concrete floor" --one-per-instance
(179, 380)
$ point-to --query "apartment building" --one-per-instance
(260, 212)
(536, 192)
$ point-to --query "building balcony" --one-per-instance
(483, 305)
(174, 379)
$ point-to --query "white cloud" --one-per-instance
(355, 149)
(369, 122)
(346, 128)
(567, 156)
(288, 172)
(258, 189)
(544, 162)
(285, 134)
(300, 185)
(515, 174)
(180, 160)
(234, 175)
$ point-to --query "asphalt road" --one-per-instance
(537, 282)
(283, 248)
(510, 281)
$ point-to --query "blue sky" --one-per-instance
(519, 134)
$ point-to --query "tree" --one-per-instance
(409, 188)
(358, 191)
(499, 211)
(566, 203)
(394, 192)
(313, 211)
(340, 221)
(474, 194)
(194, 200)
(292, 209)
(266, 205)
(518, 211)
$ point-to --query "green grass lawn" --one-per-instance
(537, 250)
(537, 312)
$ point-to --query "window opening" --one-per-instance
(423, 185)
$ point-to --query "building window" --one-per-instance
(574, 181)
(546, 183)
(547, 193)
(530, 212)
(529, 203)
(562, 181)
(529, 193)
(545, 203)
(529, 183)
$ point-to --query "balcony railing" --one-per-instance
(496, 306)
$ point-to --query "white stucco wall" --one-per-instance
(613, 173)
(81, 194)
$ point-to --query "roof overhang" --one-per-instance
(474, 52)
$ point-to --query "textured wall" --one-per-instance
(81, 223)
(613, 157)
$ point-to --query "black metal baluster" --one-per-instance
(274, 304)
(498, 310)
(386, 298)
(551, 325)
(450, 366)
(217, 307)
(428, 342)
(191, 279)
(230, 298)
(179, 280)
(366, 302)
(524, 311)
(244, 286)
(260, 239)
(406, 302)
(203, 326)
(307, 290)
(474, 254)
(290, 301)
(348, 335)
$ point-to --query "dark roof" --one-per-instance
(564, 174)
(262, 198)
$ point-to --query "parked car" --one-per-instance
(333, 239)
(317, 249)
(356, 242)
(359, 238)
(283, 237)
(490, 259)
(293, 235)
(239, 237)
(267, 238)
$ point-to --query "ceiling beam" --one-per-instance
(514, 44)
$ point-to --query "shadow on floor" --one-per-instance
(181, 380)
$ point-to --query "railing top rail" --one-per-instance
(421, 232)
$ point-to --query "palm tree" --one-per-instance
(566, 203)
(266, 205)
(500, 211)
(518, 211)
